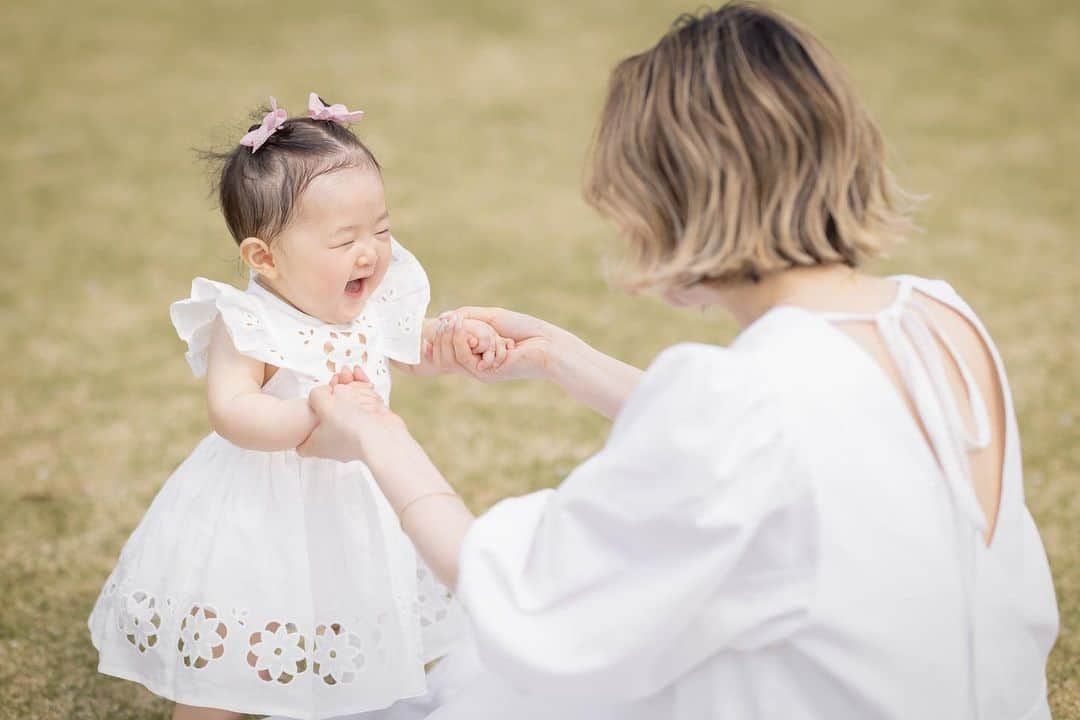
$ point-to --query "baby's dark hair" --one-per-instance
(259, 191)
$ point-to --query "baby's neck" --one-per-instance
(269, 287)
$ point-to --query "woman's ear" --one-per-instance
(258, 256)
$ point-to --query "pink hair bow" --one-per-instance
(269, 125)
(334, 113)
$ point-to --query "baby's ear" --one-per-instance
(257, 255)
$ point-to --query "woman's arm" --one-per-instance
(240, 412)
(591, 377)
(541, 351)
(354, 424)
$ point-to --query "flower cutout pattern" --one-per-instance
(278, 653)
(338, 655)
(139, 620)
(202, 637)
(345, 348)
(432, 598)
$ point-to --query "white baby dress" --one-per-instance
(268, 583)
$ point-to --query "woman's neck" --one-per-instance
(819, 288)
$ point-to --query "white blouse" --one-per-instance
(766, 534)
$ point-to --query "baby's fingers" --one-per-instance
(359, 375)
(480, 344)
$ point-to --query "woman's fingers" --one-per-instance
(506, 323)
(500, 352)
(438, 346)
(321, 400)
(360, 396)
(463, 354)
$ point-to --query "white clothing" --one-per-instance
(264, 582)
(766, 534)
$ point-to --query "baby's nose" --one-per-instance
(366, 257)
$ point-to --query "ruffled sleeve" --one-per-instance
(244, 316)
(691, 533)
(399, 305)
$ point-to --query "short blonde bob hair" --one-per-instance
(736, 147)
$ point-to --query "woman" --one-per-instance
(825, 519)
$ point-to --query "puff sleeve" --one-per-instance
(691, 533)
(244, 316)
(399, 305)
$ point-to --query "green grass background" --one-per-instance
(481, 112)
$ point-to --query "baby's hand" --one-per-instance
(486, 344)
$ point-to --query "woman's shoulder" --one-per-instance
(705, 367)
(702, 384)
(695, 366)
(938, 289)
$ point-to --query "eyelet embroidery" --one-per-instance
(278, 653)
(433, 599)
(202, 637)
(339, 654)
(342, 349)
(139, 620)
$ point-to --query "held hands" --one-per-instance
(352, 419)
(528, 352)
(489, 344)
(487, 348)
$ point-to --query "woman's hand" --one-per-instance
(540, 351)
(352, 419)
(529, 356)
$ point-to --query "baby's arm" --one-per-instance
(485, 342)
(240, 412)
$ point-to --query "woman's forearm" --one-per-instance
(432, 515)
(593, 378)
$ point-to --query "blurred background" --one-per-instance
(481, 113)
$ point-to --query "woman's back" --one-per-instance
(768, 533)
(927, 555)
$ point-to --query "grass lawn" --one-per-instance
(481, 113)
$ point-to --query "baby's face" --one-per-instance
(336, 249)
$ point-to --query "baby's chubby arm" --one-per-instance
(486, 344)
(238, 408)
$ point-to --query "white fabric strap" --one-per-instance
(908, 330)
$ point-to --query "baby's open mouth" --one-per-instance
(355, 287)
